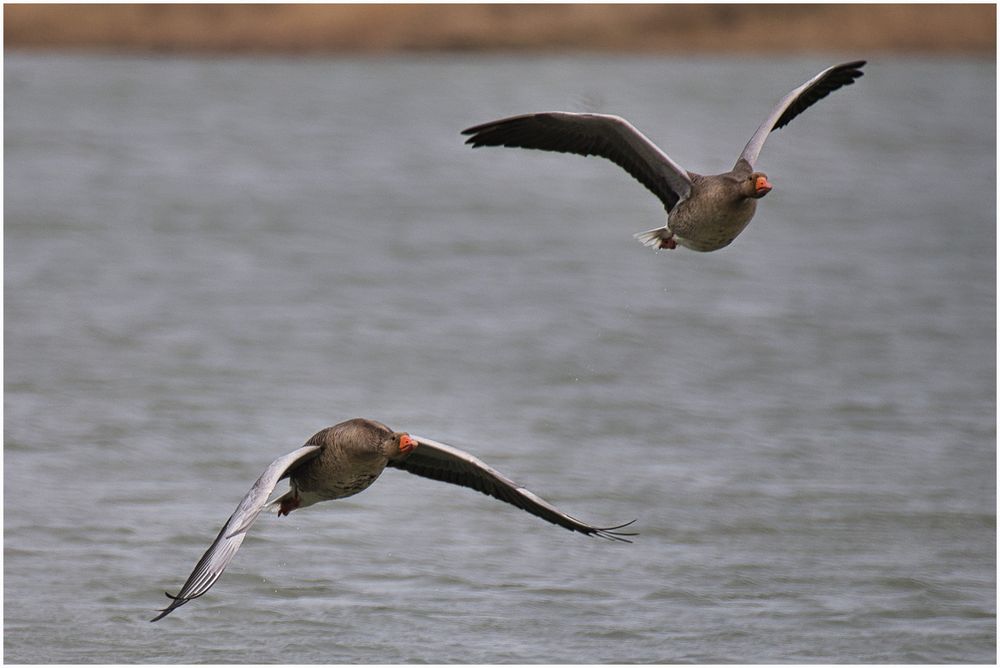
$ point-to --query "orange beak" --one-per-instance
(406, 444)
(762, 186)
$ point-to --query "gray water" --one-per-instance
(207, 261)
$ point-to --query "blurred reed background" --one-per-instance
(646, 28)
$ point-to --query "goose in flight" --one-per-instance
(704, 213)
(346, 459)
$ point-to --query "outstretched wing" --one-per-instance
(799, 100)
(221, 552)
(610, 137)
(438, 461)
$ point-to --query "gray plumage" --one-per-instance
(705, 213)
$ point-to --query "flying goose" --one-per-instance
(345, 459)
(704, 213)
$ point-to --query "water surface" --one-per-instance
(207, 261)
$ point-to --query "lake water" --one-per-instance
(208, 260)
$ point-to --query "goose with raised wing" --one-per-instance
(345, 459)
(704, 213)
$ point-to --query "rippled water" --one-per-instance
(207, 261)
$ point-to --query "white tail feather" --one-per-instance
(273, 507)
(654, 238)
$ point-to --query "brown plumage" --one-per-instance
(346, 459)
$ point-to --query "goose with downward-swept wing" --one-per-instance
(346, 459)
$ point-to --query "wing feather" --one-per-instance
(799, 100)
(606, 136)
(221, 552)
(438, 461)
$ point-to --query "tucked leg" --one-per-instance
(289, 503)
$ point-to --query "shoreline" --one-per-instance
(968, 29)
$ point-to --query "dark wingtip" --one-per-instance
(476, 129)
(853, 69)
(612, 533)
(476, 137)
(177, 602)
(163, 613)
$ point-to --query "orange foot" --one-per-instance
(288, 504)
